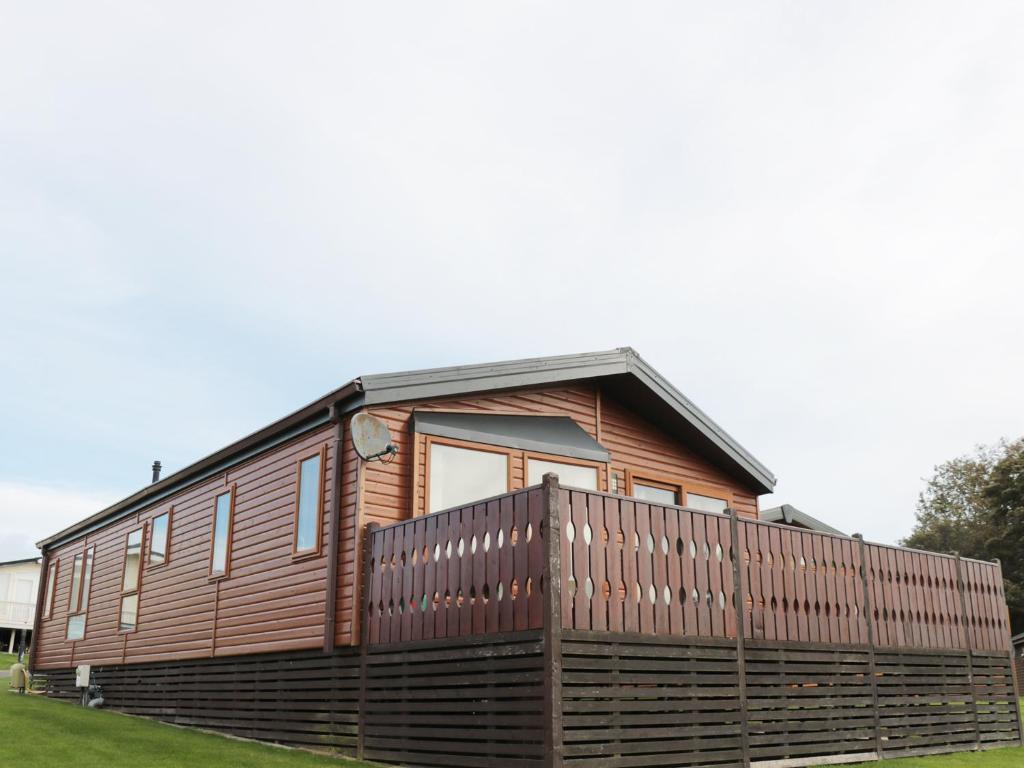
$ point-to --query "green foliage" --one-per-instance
(974, 505)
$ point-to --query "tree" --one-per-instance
(974, 505)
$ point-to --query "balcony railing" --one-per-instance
(625, 565)
(12, 613)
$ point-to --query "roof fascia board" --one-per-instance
(685, 408)
(445, 382)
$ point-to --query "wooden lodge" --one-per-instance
(562, 565)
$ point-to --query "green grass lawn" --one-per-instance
(40, 732)
(6, 659)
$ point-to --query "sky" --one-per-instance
(807, 216)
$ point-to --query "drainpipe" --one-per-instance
(333, 533)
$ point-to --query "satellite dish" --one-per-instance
(371, 437)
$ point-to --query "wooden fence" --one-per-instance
(674, 636)
(467, 571)
(630, 566)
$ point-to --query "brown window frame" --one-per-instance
(77, 567)
(137, 590)
(602, 467)
(655, 481)
(88, 556)
(454, 443)
(711, 491)
(217, 575)
(317, 548)
(169, 514)
(681, 487)
(52, 574)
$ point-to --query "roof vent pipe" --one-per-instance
(156, 470)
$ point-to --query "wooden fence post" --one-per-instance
(361, 606)
(869, 618)
(1013, 667)
(552, 622)
(739, 598)
(961, 587)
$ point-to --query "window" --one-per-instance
(158, 538)
(81, 579)
(86, 579)
(220, 552)
(658, 493)
(132, 558)
(130, 582)
(76, 627)
(129, 611)
(706, 503)
(76, 584)
(576, 475)
(461, 475)
(51, 584)
(309, 504)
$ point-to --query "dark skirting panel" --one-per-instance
(626, 701)
(476, 701)
(304, 698)
(640, 701)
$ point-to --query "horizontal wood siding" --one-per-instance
(306, 699)
(270, 601)
(470, 703)
(643, 701)
(639, 701)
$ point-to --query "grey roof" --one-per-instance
(790, 515)
(623, 373)
(1017, 639)
(545, 434)
(628, 374)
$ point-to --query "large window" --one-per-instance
(159, 537)
(461, 475)
(130, 581)
(220, 554)
(51, 585)
(309, 505)
(575, 475)
(78, 605)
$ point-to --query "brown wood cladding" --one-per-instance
(271, 601)
(389, 493)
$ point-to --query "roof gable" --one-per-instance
(636, 382)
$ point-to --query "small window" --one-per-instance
(656, 493)
(81, 579)
(130, 582)
(462, 475)
(132, 559)
(158, 538)
(76, 627)
(706, 503)
(309, 504)
(51, 585)
(575, 475)
(221, 551)
(86, 579)
(129, 611)
(76, 584)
